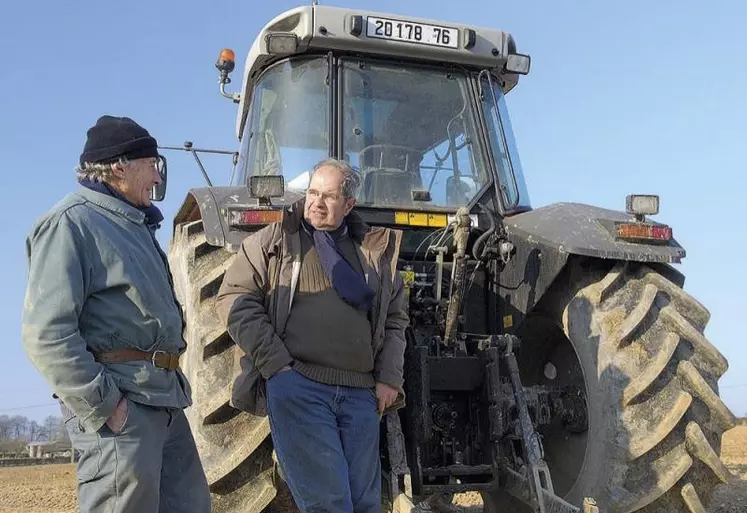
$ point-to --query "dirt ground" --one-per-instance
(38, 489)
(51, 488)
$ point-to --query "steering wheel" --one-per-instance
(396, 149)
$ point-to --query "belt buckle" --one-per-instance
(153, 358)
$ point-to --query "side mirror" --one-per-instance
(158, 192)
(262, 188)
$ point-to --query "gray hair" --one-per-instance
(351, 180)
(98, 172)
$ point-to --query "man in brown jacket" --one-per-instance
(316, 304)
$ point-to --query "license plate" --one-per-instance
(411, 32)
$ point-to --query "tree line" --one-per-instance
(16, 431)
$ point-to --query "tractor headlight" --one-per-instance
(642, 204)
(267, 186)
(281, 43)
(518, 63)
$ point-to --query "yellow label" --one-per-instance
(401, 218)
(418, 219)
(508, 321)
(437, 220)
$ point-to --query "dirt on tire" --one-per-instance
(51, 488)
(235, 448)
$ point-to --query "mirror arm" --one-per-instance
(188, 147)
(202, 168)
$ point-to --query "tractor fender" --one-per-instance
(205, 203)
(587, 230)
(543, 240)
(209, 205)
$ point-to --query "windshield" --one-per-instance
(412, 135)
(410, 131)
(288, 129)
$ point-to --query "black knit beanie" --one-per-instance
(114, 137)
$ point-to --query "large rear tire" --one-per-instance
(633, 339)
(235, 448)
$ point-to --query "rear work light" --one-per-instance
(253, 217)
(642, 204)
(643, 232)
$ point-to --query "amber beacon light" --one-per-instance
(226, 63)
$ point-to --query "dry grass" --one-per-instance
(51, 488)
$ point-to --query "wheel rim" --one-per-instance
(548, 358)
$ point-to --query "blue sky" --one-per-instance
(623, 97)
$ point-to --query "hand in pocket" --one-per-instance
(118, 418)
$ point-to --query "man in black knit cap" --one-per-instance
(103, 327)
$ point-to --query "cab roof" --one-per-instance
(316, 28)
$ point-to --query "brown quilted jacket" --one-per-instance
(256, 295)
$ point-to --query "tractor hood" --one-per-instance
(575, 228)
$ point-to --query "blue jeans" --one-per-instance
(327, 443)
(150, 466)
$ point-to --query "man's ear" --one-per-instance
(118, 170)
(349, 204)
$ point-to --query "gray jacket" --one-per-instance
(98, 280)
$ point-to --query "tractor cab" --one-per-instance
(416, 107)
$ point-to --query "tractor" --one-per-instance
(554, 362)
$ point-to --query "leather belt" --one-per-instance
(160, 359)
